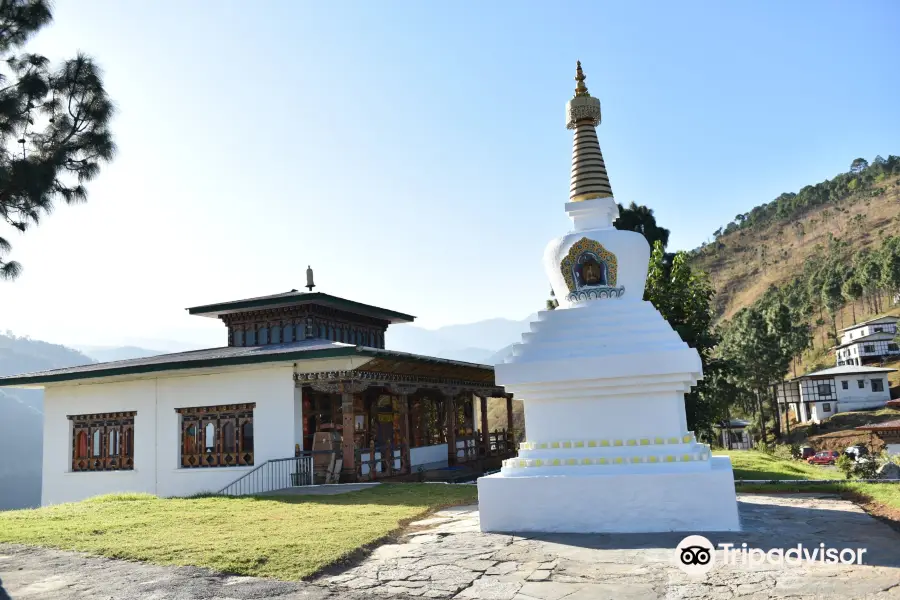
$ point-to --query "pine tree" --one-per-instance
(54, 125)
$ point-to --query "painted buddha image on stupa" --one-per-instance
(590, 270)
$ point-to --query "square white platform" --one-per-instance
(614, 503)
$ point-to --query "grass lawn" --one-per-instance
(288, 537)
(750, 464)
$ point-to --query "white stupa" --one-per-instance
(603, 379)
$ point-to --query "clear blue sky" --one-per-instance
(415, 153)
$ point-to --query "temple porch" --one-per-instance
(404, 418)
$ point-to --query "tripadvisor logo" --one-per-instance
(696, 555)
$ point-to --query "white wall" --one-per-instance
(157, 431)
(855, 334)
(428, 454)
(855, 398)
(60, 484)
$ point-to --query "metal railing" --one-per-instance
(274, 474)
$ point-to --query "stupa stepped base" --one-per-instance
(624, 501)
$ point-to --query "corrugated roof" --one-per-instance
(883, 336)
(892, 425)
(293, 298)
(227, 356)
(864, 323)
(845, 370)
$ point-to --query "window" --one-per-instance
(845, 385)
(892, 347)
(878, 385)
(861, 383)
(826, 407)
(251, 337)
(263, 336)
(217, 436)
(276, 334)
(288, 334)
(103, 442)
(824, 389)
(868, 347)
(879, 329)
(322, 331)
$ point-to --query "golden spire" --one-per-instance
(580, 89)
(589, 178)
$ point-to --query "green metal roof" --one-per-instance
(295, 298)
(219, 357)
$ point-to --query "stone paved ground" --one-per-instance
(447, 557)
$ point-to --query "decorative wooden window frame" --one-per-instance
(103, 442)
(231, 450)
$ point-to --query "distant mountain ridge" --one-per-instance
(113, 353)
(471, 342)
(22, 416)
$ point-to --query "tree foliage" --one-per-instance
(641, 219)
(684, 298)
(760, 343)
(54, 125)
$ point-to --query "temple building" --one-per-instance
(303, 392)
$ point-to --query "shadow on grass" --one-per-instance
(755, 474)
(413, 495)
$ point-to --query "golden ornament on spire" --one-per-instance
(580, 89)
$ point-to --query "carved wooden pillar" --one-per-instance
(450, 417)
(485, 434)
(405, 467)
(509, 416)
(348, 443)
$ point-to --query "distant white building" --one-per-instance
(821, 394)
(866, 342)
(734, 434)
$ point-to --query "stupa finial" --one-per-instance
(589, 179)
(580, 88)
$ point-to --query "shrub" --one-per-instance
(867, 468)
(785, 452)
(761, 446)
(845, 464)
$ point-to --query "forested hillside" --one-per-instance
(789, 274)
(793, 239)
(21, 417)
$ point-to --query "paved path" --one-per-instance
(447, 557)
